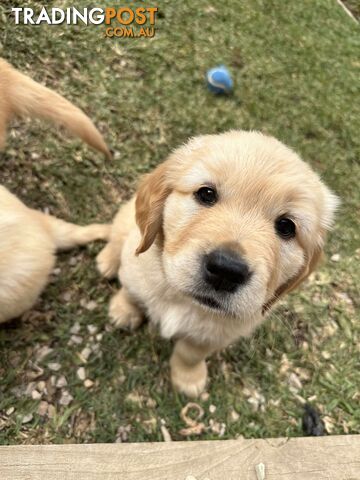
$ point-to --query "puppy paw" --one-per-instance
(123, 314)
(189, 380)
(107, 263)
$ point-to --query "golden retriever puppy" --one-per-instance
(21, 96)
(28, 241)
(216, 234)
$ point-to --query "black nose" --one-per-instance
(225, 270)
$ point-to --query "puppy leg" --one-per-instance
(123, 312)
(108, 260)
(188, 367)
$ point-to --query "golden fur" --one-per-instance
(159, 238)
(28, 242)
(28, 238)
(21, 96)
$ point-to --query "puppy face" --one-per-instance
(242, 220)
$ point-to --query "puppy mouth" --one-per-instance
(208, 302)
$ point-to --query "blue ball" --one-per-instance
(219, 80)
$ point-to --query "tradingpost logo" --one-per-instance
(119, 22)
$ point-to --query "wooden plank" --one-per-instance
(330, 458)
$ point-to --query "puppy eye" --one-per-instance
(206, 196)
(285, 227)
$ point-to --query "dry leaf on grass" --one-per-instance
(194, 427)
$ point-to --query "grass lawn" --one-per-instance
(296, 69)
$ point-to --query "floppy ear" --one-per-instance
(311, 262)
(150, 200)
(330, 203)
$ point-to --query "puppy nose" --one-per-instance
(225, 270)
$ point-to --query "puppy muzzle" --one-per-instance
(225, 271)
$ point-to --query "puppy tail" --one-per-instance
(25, 97)
(67, 235)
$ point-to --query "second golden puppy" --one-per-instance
(215, 235)
(28, 242)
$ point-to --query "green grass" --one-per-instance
(296, 70)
